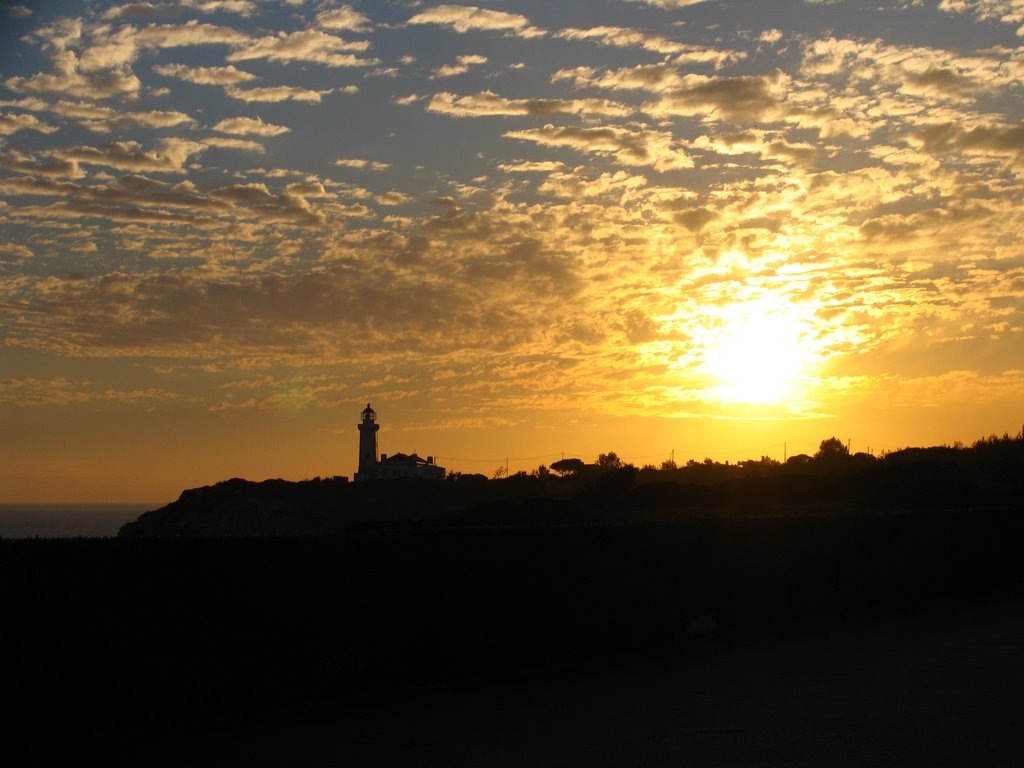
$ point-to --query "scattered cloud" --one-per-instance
(276, 93)
(12, 123)
(989, 140)
(669, 3)
(228, 75)
(488, 103)
(353, 162)
(628, 147)
(622, 37)
(184, 35)
(68, 77)
(103, 119)
(730, 98)
(240, 144)
(306, 45)
(20, 162)
(404, 101)
(579, 184)
(16, 250)
(1004, 11)
(527, 166)
(170, 157)
(467, 18)
(145, 11)
(27, 392)
(393, 198)
(343, 18)
(462, 65)
(245, 126)
(257, 199)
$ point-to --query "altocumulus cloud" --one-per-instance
(577, 197)
(244, 126)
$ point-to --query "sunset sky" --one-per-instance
(724, 228)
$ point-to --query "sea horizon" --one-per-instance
(68, 519)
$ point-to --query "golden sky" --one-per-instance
(722, 228)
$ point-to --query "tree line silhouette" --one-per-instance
(833, 480)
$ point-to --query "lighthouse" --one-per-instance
(368, 428)
(374, 466)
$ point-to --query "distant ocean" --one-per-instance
(20, 521)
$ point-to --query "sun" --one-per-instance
(759, 352)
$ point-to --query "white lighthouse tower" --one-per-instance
(368, 428)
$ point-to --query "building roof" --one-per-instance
(403, 458)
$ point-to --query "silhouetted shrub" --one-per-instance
(670, 497)
(782, 489)
(608, 488)
(918, 484)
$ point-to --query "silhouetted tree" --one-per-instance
(609, 460)
(568, 466)
(832, 449)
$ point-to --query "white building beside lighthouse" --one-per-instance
(389, 467)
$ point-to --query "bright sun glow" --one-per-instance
(761, 353)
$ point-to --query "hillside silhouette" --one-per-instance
(985, 474)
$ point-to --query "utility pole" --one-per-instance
(785, 450)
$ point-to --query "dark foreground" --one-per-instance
(889, 639)
(942, 687)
